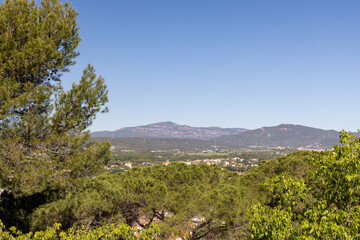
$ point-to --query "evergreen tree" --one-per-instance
(43, 137)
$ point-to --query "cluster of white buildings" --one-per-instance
(224, 162)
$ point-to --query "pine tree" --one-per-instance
(43, 138)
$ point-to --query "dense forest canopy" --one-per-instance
(206, 201)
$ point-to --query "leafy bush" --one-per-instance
(118, 231)
(325, 208)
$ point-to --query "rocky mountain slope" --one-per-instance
(170, 130)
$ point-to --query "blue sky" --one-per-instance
(223, 63)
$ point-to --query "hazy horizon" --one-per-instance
(209, 126)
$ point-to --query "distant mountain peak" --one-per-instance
(166, 123)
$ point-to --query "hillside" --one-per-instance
(169, 130)
(284, 135)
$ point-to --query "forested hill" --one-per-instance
(170, 130)
(283, 135)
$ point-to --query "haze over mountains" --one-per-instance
(170, 130)
(284, 135)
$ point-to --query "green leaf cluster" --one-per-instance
(325, 208)
(113, 231)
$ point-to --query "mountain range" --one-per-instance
(170, 134)
(170, 130)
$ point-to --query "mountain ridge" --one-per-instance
(283, 135)
(169, 130)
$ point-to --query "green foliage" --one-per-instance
(37, 44)
(325, 209)
(275, 224)
(200, 199)
(44, 150)
(338, 172)
(118, 231)
(96, 203)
